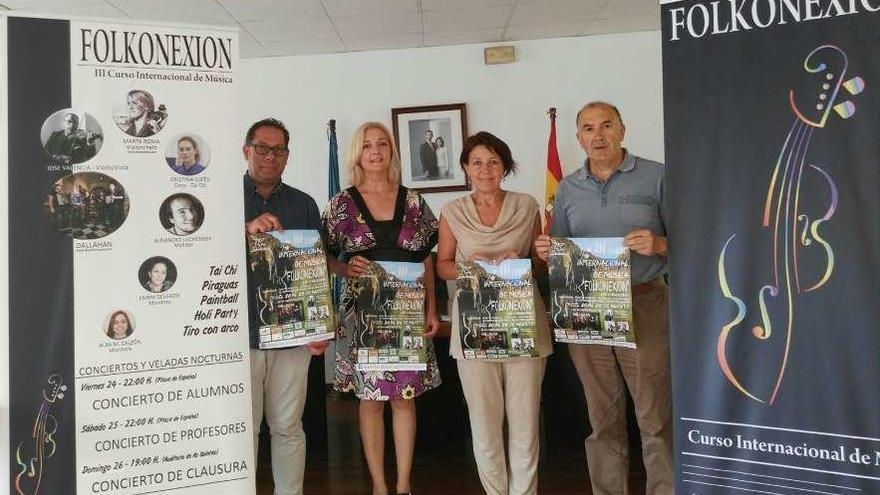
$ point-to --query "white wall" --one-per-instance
(508, 100)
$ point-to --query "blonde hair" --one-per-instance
(355, 172)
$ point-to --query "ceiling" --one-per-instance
(272, 28)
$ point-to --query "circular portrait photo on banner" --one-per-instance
(187, 154)
(86, 205)
(157, 274)
(139, 115)
(119, 324)
(181, 214)
(71, 136)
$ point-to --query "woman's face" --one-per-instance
(120, 326)
(186, 152)
(484, 169)
(439, 142)
(136, 106)
(158, 274)
(376, 150)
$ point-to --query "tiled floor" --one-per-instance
(438, 469)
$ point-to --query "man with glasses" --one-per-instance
(278, 376)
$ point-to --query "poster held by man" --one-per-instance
(290, 275)
(591, 292)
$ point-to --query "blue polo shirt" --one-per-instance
(631, 198)
(295, 209)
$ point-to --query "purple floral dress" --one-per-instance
(349, 228)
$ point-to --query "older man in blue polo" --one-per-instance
(618, 194)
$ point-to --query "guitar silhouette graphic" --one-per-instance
(792, 227)
(31, 455)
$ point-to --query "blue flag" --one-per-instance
(332, 190)
(333, 180)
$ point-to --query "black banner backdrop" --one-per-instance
(42, 421)
(772, 115)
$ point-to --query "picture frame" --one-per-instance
(430, 139)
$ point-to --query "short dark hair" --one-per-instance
(493, 144)
(267, 122)
(595, 104)
(165, 213)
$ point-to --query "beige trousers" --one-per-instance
(493, 391)
(279, 381)
(605, 374)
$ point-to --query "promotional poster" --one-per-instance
(772, 112)
(294, 303)
(590, 291)
(128, 365)
(496, 304)
(391, 317)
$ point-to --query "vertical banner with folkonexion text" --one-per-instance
(772, 112)
(128, 361)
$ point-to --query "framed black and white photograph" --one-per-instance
(430, 140)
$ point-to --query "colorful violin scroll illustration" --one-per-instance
(792, 229)
(31, 455)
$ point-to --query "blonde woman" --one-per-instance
(379, 219)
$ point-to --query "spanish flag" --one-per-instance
(554, 172)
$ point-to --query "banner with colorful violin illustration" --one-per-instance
(772, 115)
(125, 344)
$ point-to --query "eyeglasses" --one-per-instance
(262, 149)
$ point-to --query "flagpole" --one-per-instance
(332, 189)
(554, 172)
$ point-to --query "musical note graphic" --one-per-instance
(792, 228)
(31, 456)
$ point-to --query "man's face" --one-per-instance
(429, 136)
(69, 124)
(265, 169)
(184, 216)
(186, 152)
(600, 133)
